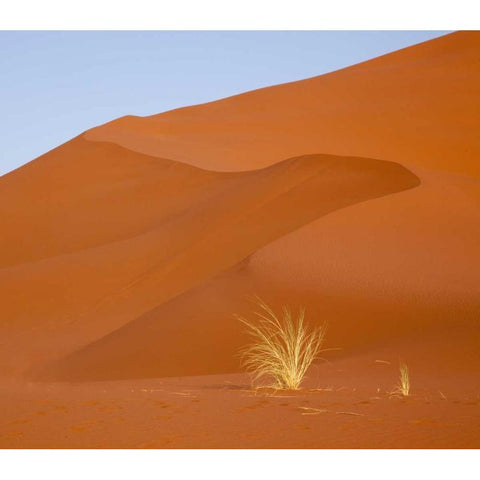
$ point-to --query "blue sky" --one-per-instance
(55, 85)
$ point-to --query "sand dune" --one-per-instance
(76, 295)
(384, 272)
(125, 252)
(403, 265)
(417, 105)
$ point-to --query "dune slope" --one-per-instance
(98, 272)
(128, 249)
(417, 105)
(395, 271)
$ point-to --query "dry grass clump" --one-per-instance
(403, 387)
(283, 347)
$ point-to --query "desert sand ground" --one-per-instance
(344, 405)
(126, 251)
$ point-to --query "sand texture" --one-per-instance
(126, 252)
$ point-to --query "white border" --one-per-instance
(228, 15)
(245, 14)
(238, 464)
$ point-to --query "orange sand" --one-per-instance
(125, 252)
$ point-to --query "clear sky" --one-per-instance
(55, 85)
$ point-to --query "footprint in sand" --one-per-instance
(303, 427)
(77, 429)
(255, 406)
(160, 443)
(19, 421)
(162, 417)
(425, 422)
(110, 408)
(81, 427)
(14, 433)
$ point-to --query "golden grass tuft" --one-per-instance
(283, 347)
(403, 387)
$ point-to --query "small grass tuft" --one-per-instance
(403, 387)
(283, 347)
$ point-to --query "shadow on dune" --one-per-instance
(174, 340)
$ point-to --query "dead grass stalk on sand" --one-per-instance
(403, 387)
(283, 347)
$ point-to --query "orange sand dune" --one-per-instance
(217, 220)
(411, 278)
(125, 252)
(84, 195)
(418, 105)
(403, 264)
